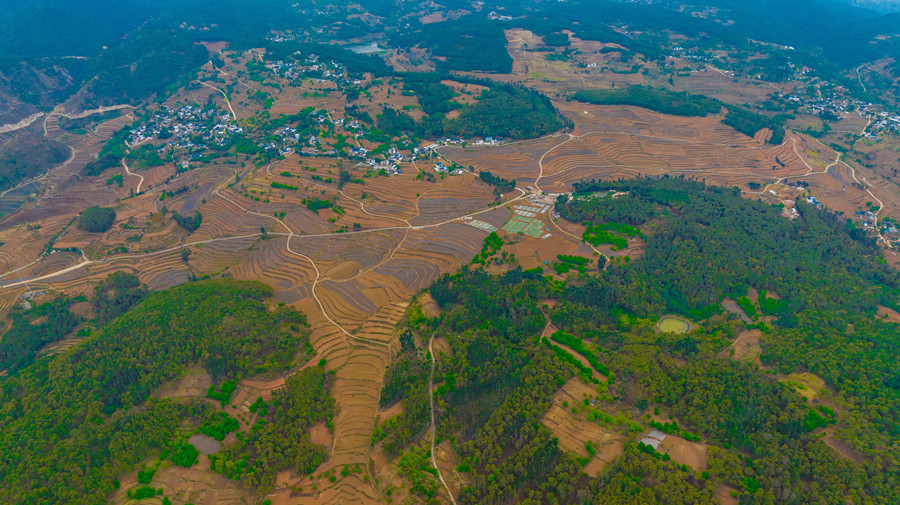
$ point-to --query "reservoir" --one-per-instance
(371, 47)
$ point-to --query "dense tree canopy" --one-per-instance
(660, 100)
(32, 329)
(27, 154)
(75, 422)
(96, 219)
(502, 110)
(465, 44)
(704, 244)
(279, 440)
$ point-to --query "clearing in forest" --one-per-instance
(726, 495)
(567, 420)
(745, 348)
(692, 454)
(733, 307)
(806, 384)
(888, 314)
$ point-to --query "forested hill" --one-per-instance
(75, 423)
(742, 244)
(819, 287)
(502, 110)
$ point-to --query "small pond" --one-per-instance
(670, 324)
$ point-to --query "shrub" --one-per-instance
(97, 219)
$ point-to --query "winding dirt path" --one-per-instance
(318, 277)
(361, 204)
(139, 176)
(811, 171)
(433, 427)
(225, 96)
(91, 112)
(880, 205)
(864, 184)
(859, 78)
(548, 151)
(579, 240)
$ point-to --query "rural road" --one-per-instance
(362, 205)
(867, 185)
(98, 110)
(859, 78)
(810, 170)
(290, 235)
(129, 172)
(7, 128)
(880, 204)
(433, 426)
(227, 102)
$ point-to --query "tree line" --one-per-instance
(684, 104)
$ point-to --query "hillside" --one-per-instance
(503, 252)
(496, 380)
(107, 380)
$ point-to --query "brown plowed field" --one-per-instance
(687, 453)
(355, 286)
(575, 432)
(512, 161)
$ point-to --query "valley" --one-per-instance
(479, 288)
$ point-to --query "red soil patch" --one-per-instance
(83, 309)
(723, 494)
(392, 411)
(197, 484)
(215, 47)
(320, 435)
(574, 432)
(429, 306)
(193, 384)
(691, 454)
(732, 306)
(888, 314)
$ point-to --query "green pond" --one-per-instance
(673, 325)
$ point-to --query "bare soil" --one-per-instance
(193, 384)
(723, 494)
(745, 348)
(691, 454)
(320, 435)
(888, 314)
(574, 431)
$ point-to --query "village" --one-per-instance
(824, 99)
(189, 133)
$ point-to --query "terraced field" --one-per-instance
(616, 142)
(575, 432)
(519, 160)
(353, 268)
(354, 286)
